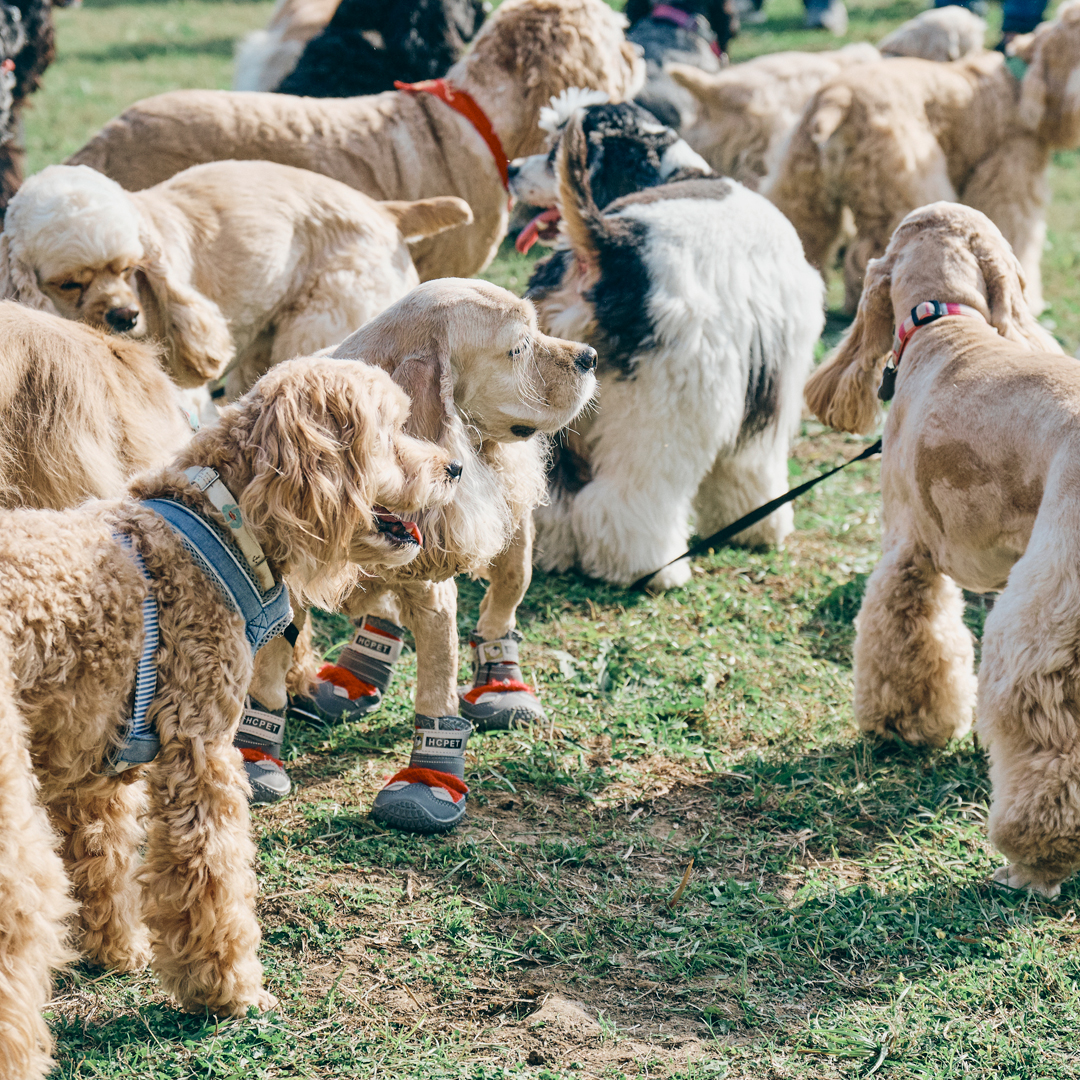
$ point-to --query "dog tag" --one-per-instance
(888, 384)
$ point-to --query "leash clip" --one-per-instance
(931, 309)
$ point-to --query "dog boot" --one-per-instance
(259, 738)
(498, 698)
(429, 796)
(355, 684)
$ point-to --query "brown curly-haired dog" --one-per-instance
(308, 455)
(980, 488)
(882, 139)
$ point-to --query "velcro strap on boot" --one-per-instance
(372, 653)
(439, 743)
(260, 730)
(501, 651)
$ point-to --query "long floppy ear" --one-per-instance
(843, 391)
(1010, 314)
(196, 333)
(312, 486)
(19, 282)
(426, 376)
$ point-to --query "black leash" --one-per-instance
(736, 527)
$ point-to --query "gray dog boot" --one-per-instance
(428, 796)
(499, 698)
(355, 684)
(259, 740)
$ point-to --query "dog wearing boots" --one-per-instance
(128, 629)
(979, 484)
(486, 385)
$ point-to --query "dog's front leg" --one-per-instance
(98, 823)
(430, 612)
(510, 574)
(198, 880)
(914, 656)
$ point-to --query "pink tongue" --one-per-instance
(531, 233)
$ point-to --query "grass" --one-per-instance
(836, 919)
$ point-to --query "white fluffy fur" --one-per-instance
(728, 279)
(554, 115)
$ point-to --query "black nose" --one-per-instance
(454, 469)
(122, 319)
(586, 360)
(512, 171)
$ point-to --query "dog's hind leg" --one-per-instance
(98, 823)
(198, 880)
(1029, 710)
(34, 905)
(914, 656)
(738, 482)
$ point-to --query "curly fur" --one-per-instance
(705, 314)
(883, 139)
(231, 265)
(980, 490)
(398, 145)
(369, 44)
(27, 37)
(475, 367)
(942, 34)
(308, 453)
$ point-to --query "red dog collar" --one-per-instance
(921, 315)
(465, 103)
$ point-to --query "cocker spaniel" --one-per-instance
(980, 489)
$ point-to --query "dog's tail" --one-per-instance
(428, 217)
(582, 220)
(33, 898)
(827, 113)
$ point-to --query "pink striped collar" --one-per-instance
(921, 314)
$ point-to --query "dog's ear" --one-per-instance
(843, 391)
(426, 376)
(312, 486)
(1010, 315)
(196, 333)
(18, 281)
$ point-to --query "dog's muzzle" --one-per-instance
(122, 319)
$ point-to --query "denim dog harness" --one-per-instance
(237, 567)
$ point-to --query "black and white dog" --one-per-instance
(696, 295)
(694, 32)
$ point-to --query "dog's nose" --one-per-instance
(586, 360)
(122, 319)
(512, 171)
(454, 469)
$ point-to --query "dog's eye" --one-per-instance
(67, 286)
(519, 350)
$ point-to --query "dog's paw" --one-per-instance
(1018, 876)
(671, 577)
(266, 1001)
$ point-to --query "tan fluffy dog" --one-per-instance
(981, 489)
(83, 411)
(747, 110)
(234, 266)
(882, 139)
(395, 145)
(308, 455)
(483, 380)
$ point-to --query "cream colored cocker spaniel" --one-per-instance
(980, 485)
